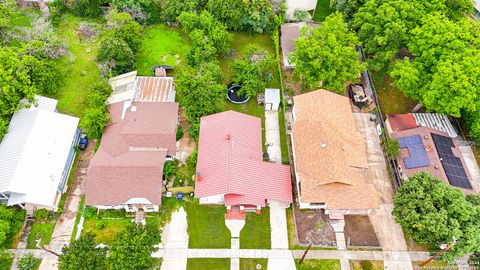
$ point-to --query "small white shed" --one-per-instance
(272, 99)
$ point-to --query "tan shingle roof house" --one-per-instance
(329, 154)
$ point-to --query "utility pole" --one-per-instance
(438, 254)
(304, 254)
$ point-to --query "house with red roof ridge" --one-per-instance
(230, 166)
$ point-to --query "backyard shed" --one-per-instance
(272, 99)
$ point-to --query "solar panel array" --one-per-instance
(452, 165)
(418, 155)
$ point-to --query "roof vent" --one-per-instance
(199, 177)
(228, 137)
(323, 144)
(134, 108)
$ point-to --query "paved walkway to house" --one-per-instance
(64, 228)
(175, 237)
(235, 226)
(388, 232)
(278, 217)
(272, 136)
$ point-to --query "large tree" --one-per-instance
(432, 212)
(251, 71)
(326, 56)
(209, 36)
(83, 254)
(384, 25)
(443, 74)
(133, 248)
(115, 56)
(200, 92)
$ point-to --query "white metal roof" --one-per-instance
(34, 151)
(477, 5)
(435, 121)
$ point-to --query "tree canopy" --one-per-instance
(133, 247)
(200, 93)
(384, 25)
(251, 72)
(325, 56)
(209, 36)
(82, 254)
(95, 116)
(432, 212)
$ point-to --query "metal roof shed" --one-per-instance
(36, 154)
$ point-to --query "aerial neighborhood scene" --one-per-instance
(239, 134)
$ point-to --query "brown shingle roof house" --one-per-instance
(329, 154)
(126, 172)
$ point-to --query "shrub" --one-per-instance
(170, 169)
(100, 224)
(87, 8)
(96, 115)
(90, 212)
(179, 133)
(193, 159)
(117, 53)
(28, 262)
(57, 9)
(44, 215)
(391, 147)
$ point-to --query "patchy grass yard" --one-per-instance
(322, 10)
(435, 265)
(251, 264)
(239, 43)
(162, 45)
(210, 264)
(105, 230)
(40, 230)
(80, 71)
(206, 226)
(318, 265)
(283, 137)
(362, 265)
(256, 234)
(391, 99)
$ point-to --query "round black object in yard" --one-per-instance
(233, 97)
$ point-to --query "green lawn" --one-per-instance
(251, 264)
(318, 265)
(239, 43)
(256, 233)
(108, 233)
(391, 99)
(283, 137)
(208, 264)
(162, 45)
(80, 71)
(322, 10)
(206, 226)
(43, 230)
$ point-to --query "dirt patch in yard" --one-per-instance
(314, 226)
(359, 231)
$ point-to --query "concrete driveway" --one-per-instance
(63, 229)
(175, 242)
(389, 233)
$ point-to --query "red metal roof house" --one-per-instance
(230, 168)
